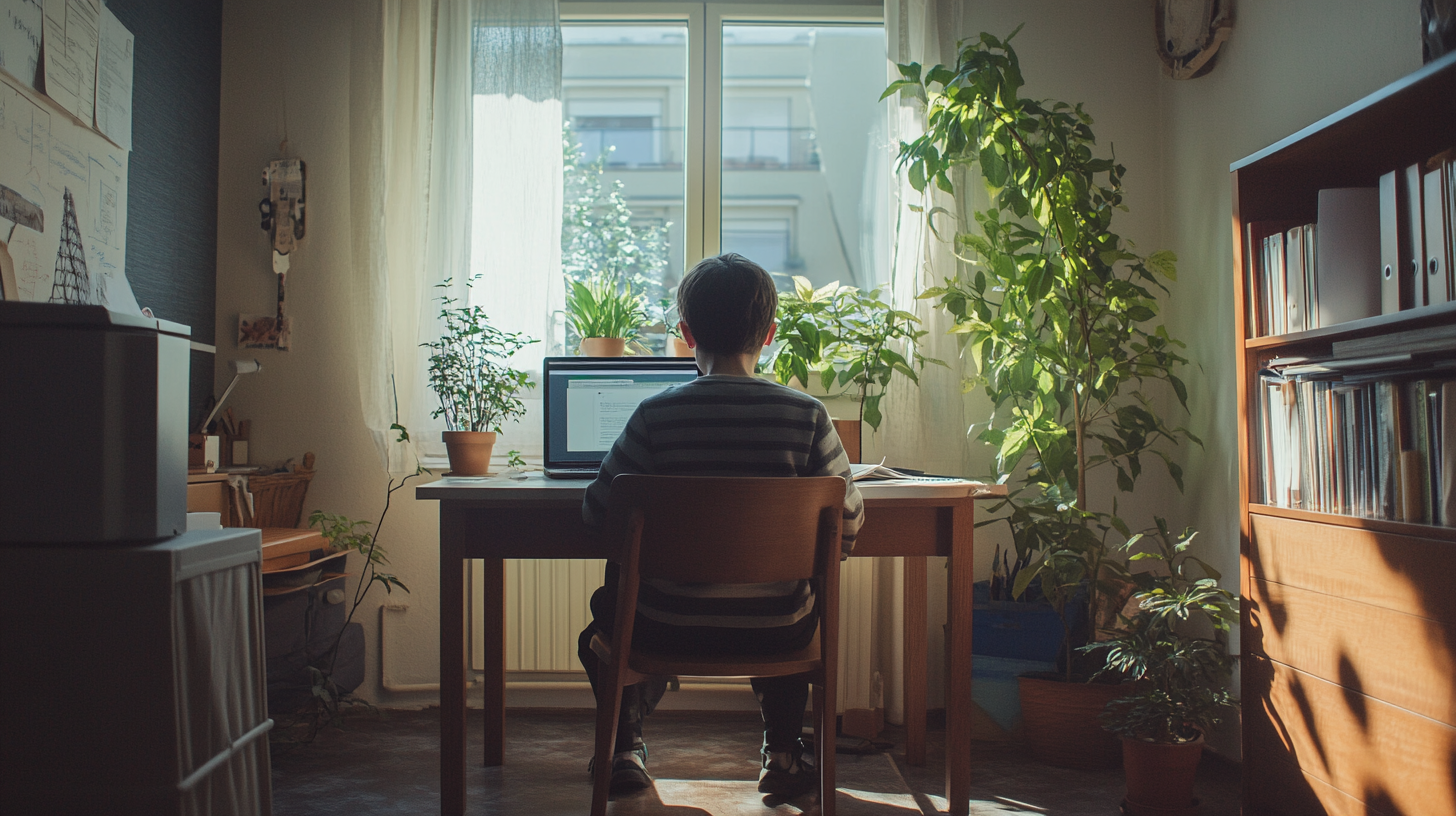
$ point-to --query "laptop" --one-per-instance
(589, 400)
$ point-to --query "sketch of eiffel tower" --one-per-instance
(72, 283)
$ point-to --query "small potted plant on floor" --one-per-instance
(477, 389)
(1061, 319)
(1174, 649)
(841, 337)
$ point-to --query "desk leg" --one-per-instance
(494, 629)
(452, 669)
(958, 686)
(916, 677)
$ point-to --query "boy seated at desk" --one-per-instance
(725, 423)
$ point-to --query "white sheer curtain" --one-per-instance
(925, 426)
(929, 431)
(425, 76)
(516, 224)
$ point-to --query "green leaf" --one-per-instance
(1164, 263)
(872, 415)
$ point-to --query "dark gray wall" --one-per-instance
(171, 233)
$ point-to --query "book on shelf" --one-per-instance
(1412, 248)
(1371, 250)
(1347, 244)
(1376, 444)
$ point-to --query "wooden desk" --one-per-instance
(495, 519)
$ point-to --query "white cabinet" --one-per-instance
(132, 678)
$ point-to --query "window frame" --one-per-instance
(703, 125)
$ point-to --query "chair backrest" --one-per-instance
(730, 530)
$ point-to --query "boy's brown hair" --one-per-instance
(729, 303)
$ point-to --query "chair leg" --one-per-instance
(824, 738)
(607, 710)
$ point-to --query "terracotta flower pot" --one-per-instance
(1060, 722)
(1160, 777)
(678, 347)
(603, 346)
(469, 452)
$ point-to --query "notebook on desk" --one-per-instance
(589, 400)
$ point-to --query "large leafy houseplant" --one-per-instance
(842, 336)
(1058, 313)
(470, 375)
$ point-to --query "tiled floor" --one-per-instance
(705, 763)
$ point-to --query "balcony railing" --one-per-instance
(744, 148)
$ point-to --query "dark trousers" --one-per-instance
(781, 700)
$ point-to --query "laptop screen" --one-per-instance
(590, 399)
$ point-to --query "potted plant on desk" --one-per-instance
(476, 388)
(1060, 317)
(1181, 679)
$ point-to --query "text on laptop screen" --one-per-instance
(589, 407)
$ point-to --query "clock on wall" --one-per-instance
(1189, 34)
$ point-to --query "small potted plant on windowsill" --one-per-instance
(673, 343)
(476, 388)
(605, 313)
(1180, 678)
(845, 341)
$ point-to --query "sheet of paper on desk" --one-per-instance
(872, 472)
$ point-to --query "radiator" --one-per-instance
(546, 609)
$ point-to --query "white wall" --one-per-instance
(1287, 65)
(279, 56)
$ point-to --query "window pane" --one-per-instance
(803, 136)
(624, 90)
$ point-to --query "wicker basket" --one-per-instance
(278, 498)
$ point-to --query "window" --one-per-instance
(751, 129)
(709, 128)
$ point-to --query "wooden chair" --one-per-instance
(726, 531)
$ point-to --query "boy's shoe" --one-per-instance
(787, 774)
(629, 772)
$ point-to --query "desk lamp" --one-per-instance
(239, 367)
(203, 447)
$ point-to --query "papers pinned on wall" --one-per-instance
(77, 53)
(20, 35)
(63, 223)
(63, 159)
(113, 81)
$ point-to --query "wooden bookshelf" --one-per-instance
(1349, 623)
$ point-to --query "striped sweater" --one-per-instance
(722, 425)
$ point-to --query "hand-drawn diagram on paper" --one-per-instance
(71, 38)
(43, 157)
(62, 184)
(20, 33)
(113, 81)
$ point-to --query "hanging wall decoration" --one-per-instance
(282, 217)
(1189, 34)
